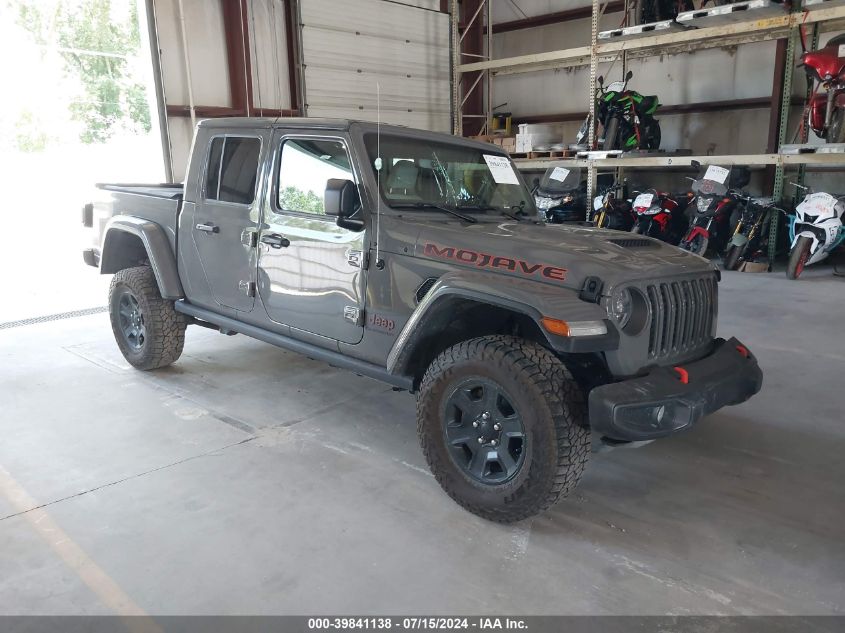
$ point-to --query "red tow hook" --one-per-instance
(683, 375)
(743, 350)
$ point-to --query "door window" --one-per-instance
(232, 169)
(305, 167)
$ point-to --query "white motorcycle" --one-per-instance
(815, 230)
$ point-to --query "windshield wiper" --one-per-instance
(431, 205)
(501, 210)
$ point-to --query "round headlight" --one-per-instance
(620, 306)
(545, 203)
(702, 203)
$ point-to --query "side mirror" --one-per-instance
(341, 201)
(600, 80)
(695, 164)
(628, 75)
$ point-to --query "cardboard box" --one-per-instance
(754, 267)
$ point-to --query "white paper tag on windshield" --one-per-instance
(559, 174)
(643, 201)
(717, 174)
(501, 169)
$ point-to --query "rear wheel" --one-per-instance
(653, 136)
(503, 426)
(610, 134)
(798, 257)
(148, 330)
(836, 131)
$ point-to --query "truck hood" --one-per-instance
(554, 253)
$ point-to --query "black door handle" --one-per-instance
(208, 228)
(274, 240)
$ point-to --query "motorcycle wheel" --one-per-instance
(798, 258)
(698, 246)
(638, 228)
(610, 134)
(732, 257)
(653, 140)
(836, 132)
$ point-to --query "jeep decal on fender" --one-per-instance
(494, 262)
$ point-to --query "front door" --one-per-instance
(310, 271)
(225, 220)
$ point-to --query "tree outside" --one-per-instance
(296, 199)
(84, 68)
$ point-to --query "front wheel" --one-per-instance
(610, 134)
(698, 245)
(148, 330)
(503, 426)
(836, 131)
(798, 257)
(638, 228)
(732, 257)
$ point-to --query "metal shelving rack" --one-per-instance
(784, 26)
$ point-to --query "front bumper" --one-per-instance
(671, 399)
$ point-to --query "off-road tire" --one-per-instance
(798, 257)
(164, 327)
(553, 411)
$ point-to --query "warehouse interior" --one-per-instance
(249, 478)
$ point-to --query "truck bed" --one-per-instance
(157, 190)
(157, 202)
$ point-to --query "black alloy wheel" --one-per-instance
(131, 321)
(484, 431)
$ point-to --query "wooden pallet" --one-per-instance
(827, 148)
(559, 153)
(640, 30)
(728, 13)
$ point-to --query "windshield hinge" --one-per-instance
(359, 259)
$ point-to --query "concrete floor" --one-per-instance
(246, 479)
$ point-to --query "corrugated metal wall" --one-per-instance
(348, 48)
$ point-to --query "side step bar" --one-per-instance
(337, 359)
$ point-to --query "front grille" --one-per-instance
(682, 314)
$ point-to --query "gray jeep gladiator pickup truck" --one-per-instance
(414, 258)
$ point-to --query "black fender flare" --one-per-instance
(155, 243)
(532, 299)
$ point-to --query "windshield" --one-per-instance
(560, 180)
(709, 187)
(421, 172)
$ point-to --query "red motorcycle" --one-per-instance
(661, 215)
(715, 205)
(827, 109)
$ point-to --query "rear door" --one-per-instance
(310, 273)
(225, 219)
